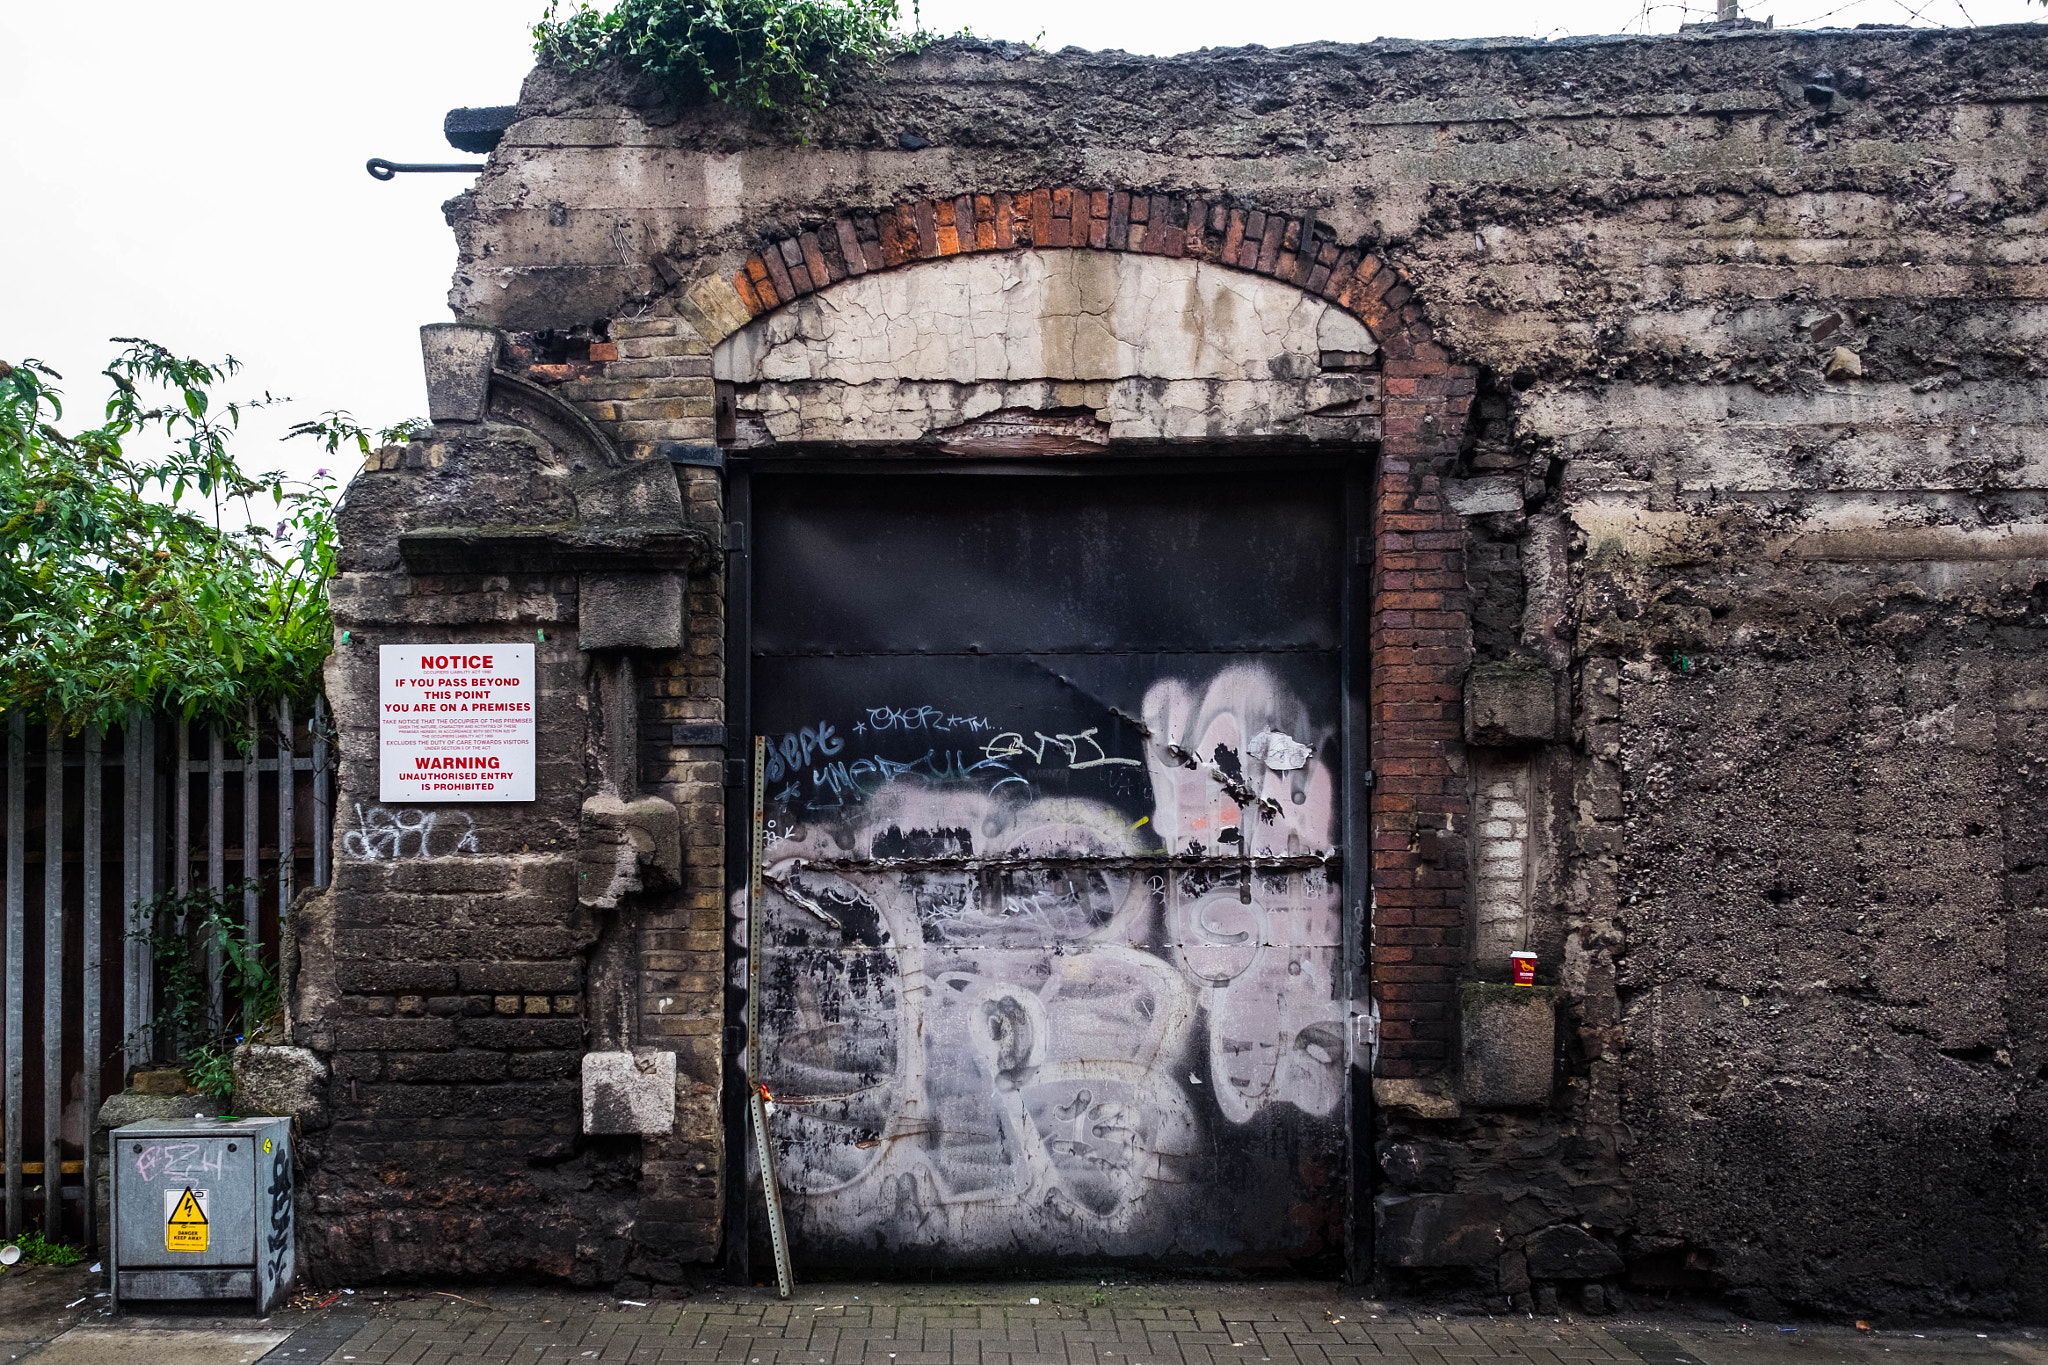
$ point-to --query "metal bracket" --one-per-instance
(736, 772)
(736, 537)
(704, 457)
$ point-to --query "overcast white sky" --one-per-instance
(193, 173)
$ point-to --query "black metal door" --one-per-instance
(1053, 963)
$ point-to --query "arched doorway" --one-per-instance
(1052, 611)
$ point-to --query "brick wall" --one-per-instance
(1420, 627)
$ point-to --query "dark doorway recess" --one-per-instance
(1058, 951)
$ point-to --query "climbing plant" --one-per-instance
(188, 934)
(771, 57)
(141, 563)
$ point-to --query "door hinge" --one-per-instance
(736, 537)
(736, 772)
(1361, 551)
(725, 413)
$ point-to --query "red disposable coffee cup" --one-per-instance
(1525, 968)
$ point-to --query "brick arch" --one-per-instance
(1420, 620)
(1193, 227)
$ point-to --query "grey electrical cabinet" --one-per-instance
(202, 1210)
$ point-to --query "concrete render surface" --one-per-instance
(1009, 1323)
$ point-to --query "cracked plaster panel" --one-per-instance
(1318, 409)
(1029, 315)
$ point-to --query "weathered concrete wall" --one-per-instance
(1754, 468)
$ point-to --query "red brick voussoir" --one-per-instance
(1421, 640)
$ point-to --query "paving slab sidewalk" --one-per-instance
(40, 1302)
(1073, 1324)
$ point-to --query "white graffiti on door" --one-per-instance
(1027, 1026)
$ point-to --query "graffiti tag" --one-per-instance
(280, 1240)
(383, 835)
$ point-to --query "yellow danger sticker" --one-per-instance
(185, 1220)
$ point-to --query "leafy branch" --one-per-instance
(115, 588)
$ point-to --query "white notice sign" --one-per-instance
(456, 723)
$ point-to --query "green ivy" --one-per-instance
(177, 579)
(771, 57)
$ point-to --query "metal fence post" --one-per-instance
(287, 816)
(91, 1058)
(252, 808)
(17, 949)
(323, 799)
(53, 979)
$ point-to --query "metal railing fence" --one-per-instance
(124, 808)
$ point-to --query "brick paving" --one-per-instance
(1069, 1324)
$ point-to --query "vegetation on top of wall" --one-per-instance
(771, 57)
(177, 580)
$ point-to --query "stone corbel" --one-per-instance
(623, 847)
(458, 360)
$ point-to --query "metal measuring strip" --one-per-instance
(757, 1093)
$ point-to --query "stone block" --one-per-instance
(289, 1082)
(1508, 1035)
(168, 1080)
(629, 1092)
(1439, 1229)
(1510, 702)
(1567, 1252)
(458, 360)
(1476, 497)
(130, 1107)
(1421, 1098)
(631, 611)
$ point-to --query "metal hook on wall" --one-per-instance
(380, 169)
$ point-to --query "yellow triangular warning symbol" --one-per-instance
(185, 1227)
(188, 1210)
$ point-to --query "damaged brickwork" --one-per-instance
(1701, 380)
